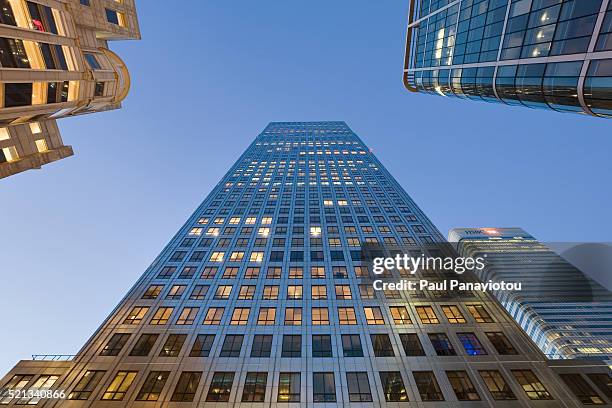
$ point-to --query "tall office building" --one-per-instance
(55, 62)
(567, 314)
(550, 54)
(263, 296)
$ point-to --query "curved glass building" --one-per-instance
(550, 54)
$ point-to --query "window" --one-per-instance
(294, 292)
(497, 385)
(581, 389)
(115, 344)
(321, 345)
(176, 292)
(230, 272)
(161, 316)
(152, 292)
(292, 345)
(358, 387)
(232, 345)
(320, 316)
(274, 272)
(427, 315)
(351, 345)
(209, 272)
(144, 345)
(187, 316)
(324, 387)
(99, 89)
(532, 386)
(317, 272)
(166, 272)
(17, 95)
(603, 382)
(267, 316)
(346, 316)
(153, 386)
(343, 292)
(6, 13)
(174, 344)
(214, 316)
(240, 316)
(501, 343)
(428, 386)
(411, 344)
(223, 292)
(393, 386)
(247, 292)
(13, 52)
(262, 345)
(186, 387)
(479, 313)
(114, 17)
(293, 316)
(85, 2)
(318, 292)
(199, 292)
(373, 315)
(18, 382)
(296, 273)
(270, 292)
(382, 345)
(255, 387)
(471, 344)
(202, 345)
(42, 18)
(442, 344)
(289, 386)
(367, 291)
(119, 385)
(453, 314)
(86, 385)
(400, 315)
(462, 386)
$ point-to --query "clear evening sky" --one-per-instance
(207, 77)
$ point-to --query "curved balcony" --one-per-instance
(122, 75)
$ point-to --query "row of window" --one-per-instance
(40, 93)
(257, 387)
(291, 346)
(293, 315)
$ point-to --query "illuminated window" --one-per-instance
(4, 134)
(217, 257)
(240, 317)
(294, 292)
(400, 315)
(84, 388)
(270, 292)
(479, 313)
(393, 386)
(289, 387)
(263, 231)
(317, 272)
(256, 257)
(247, 292)
(187, 316)
(234, 220)
(266, 221)
(119, 385)
(427, 315)
(346, 316)
(296, 272)
(462, 386)
(8, 154)
(373, 315)
(223, 292)
(153, 386)
(318, 292)
(293, 316)
(471, 344)
(220, 387)
(315, 231)
(532, 386)
(453, 314)
(267, 316)
(236, 256)
(161, 316)
(320, 316)
(250, 220)
(136, 315)
(214, 316)
(196, 231)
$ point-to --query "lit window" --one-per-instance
(479, 313)
(214, 316)
(263, 231)
(267, 316)
(250, 220)
(393, 386)
(153, 386)
(400, 315)
(35, 128)
(294, 292)
(293, 316)
(161, 316)
(119, 386)
(346, 316)
(497, 385)
(236, 256)
(270, 292)
(234, 220)
(217, 256)
(196, 231)
(315, 231)
(318, 292)
(427, 315)
(220, 387)
(320, 316)
(136, 315)
(453, 314)
(187, 316)
(213, 231)
(256, 257)
(8, 154)
(373, 315)
(532, 386)
(266, 221)
(4, 134)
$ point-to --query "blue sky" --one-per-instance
(207, 78)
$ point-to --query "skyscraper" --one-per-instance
(262, 296)
(549, 54)
(55, 62)
(567, 314)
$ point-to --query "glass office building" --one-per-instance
(549, 54)
(567, 314)
(263, 296)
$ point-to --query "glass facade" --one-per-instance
(263, 296)
(568, 315)
(550, 54)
